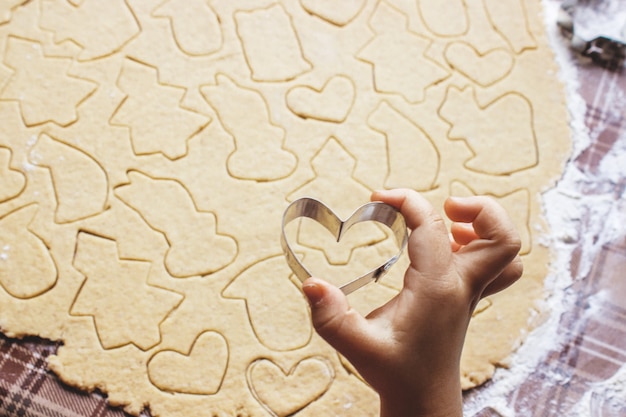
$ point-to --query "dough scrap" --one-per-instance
(147, 152)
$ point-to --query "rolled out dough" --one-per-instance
(148, 149)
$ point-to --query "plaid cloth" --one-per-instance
(27, 389)
(594, 350)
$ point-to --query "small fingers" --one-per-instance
(417, 211)
(429, 244)
(488, 218)
(463, 233)
(496, 242)
(509, 275)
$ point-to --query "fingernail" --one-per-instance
(314, 293)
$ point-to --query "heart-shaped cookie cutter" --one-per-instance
(318, 211)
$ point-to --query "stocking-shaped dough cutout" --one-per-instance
(331, 103)
(282, 392)
(12, 182)
(413, 159)
(26, 267)
(509, 19)
(270, 33)
(277, 311)
(199, 371)
(80, 184)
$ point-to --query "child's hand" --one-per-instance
(409, 349)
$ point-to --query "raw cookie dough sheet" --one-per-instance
(148, 149)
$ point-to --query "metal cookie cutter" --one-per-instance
(607, 51)
(318, 211)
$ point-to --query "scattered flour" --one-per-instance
(605, 399)
(609, 16)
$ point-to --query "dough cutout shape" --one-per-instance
(153, 113)
(444, 18)
(398, 56)
(276, 309)
(12, 181)
(256, 136)
(26, 268)
(195, 25)
(509, 19)
(200, 371)
(474, 126)
(330, 103)
(483, 69)
(270, 32)
(42, 85)
(196, 247)
(80, 23)
(147, 152)
(406, 142)
(141, 305)
(80, 184)
(339, 14)
(284, 393)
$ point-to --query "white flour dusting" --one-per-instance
(605, 399)
(600, 18)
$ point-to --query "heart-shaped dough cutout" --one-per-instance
(332, 103)
(200, 371)
(285, 393)
(485, 69)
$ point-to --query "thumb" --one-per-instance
(341, 326)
